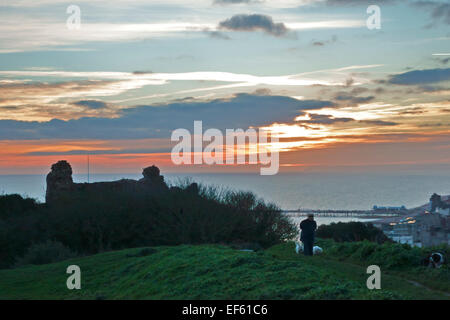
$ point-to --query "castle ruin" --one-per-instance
(60, 182)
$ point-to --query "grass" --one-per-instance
(397, 259)
(206, 272)
(412, 282)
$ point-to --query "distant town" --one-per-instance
(425, 226)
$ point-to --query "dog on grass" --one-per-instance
(299, 248)
(434, 260)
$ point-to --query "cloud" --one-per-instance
(158, 121)
(216, 34)
(325, 119)
(262, 92)
(378, 122)
(122, 81)
(91, 104)
(321, 43)
(353, 99)
(254, 22)
(226, 2)
(43, 101)
(421, 77)
(413, 111)
(355, 2)
(100, 151)
(163, 78)
(53, 37)
(444, 61)
(142, 72)
(430, 89)
(439, 11)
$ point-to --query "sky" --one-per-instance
(115, 83)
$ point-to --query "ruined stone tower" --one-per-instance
(59, 180)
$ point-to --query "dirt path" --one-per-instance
(417, 284)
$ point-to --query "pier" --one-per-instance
(342, 213)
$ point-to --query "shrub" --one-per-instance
(90, 222)
(45, 252)
(351, 231)
(13, 204)
(401, 258)
(388, 255)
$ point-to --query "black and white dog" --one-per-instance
(434, 260)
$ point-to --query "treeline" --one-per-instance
(351, 231)
(86, 223)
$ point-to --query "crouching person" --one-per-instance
(308, 228)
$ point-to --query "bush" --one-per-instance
(389, 255)
(46, 252)
(90, 222)
(351, 231)
(396, 257)
(13, 204)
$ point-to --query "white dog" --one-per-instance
(299, 248)
(317, 250)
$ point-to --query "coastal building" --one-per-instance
(431, 229)
(423, 229)
(379, 208)
(443, 211)
(443, 207)
(400, 231)
(439, 204)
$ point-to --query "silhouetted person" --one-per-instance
(308, 227)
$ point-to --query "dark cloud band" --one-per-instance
(158, 121)
(421, 77)
(254, 22)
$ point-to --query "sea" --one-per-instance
(288, 191)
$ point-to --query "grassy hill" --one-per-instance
(209, 272)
